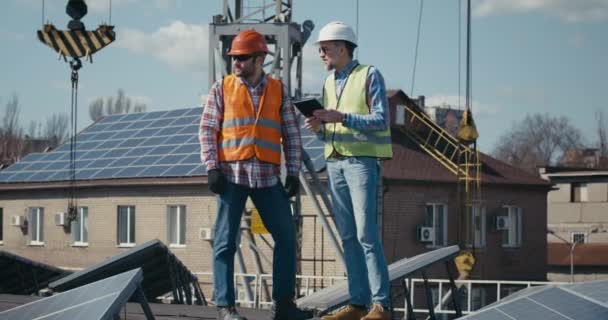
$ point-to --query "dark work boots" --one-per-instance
(287, 310)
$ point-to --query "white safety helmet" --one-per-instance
(337, 30)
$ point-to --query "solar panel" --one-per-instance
(336, 295)
(153, 144)
(163, 272)
(99, 300)
(21, 275)
(593, 289)
(573, 301)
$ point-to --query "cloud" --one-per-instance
(102, 6)
(479, 109)
(567, 10)
(180, 45)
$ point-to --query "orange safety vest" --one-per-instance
(244, 134)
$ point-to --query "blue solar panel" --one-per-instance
(181, 170)
(171, 159)
(145, 161)
(154, 115)
(192, 159)
(168, 131)
(103, 299)
(133, 116)
(138, 152)
(155, 171)
(162, 143)
(146, 133)
(131, 143)
(185, 120)
(129, 172)
(187, 148)
(162, 150)
(555, 302)
(122, 162)
(139, 125)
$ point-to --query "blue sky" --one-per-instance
(541, 56)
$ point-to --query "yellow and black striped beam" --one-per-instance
(76, 43)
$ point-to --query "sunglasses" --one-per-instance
(324, 49)
(243, 58)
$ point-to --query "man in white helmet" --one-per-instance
(356, 131)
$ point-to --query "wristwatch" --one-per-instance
(343, 118)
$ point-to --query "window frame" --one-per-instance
(574, 234)
(39, 232)
(579, 192)
(128, 226)
(78, 223)
(181, 211)
(514, 237)
(480, 240)
(444, 223)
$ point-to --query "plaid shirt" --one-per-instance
(251, 172)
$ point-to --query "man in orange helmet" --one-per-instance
(247, 118)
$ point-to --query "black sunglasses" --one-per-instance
(244, 57)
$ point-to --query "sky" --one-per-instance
(528, 56)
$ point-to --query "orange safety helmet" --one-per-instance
(248, 42)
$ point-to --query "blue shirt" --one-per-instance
(378, 118)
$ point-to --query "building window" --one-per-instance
(126, 225)
(176, 225)
(511, 226)
(437, 217)
(578, 192)
(578, 237)
(35, 217)
(80, 227)
(478, 216)
(1, 226)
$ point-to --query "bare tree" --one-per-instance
(11, 135)
(56, 129)
(96, 109)
(538, 140)
(602, 138)
(114, 105)
(33, 129)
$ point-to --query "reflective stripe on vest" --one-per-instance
(244, 134)
(347, 141)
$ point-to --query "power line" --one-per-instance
(416, 50)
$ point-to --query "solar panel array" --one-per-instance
(99, 300)
(573, 301)
(337, 295)
(135, 145)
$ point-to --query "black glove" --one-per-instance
(292, 185)
(216, 180)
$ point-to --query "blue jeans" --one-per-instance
(273, 206)
(353, 185)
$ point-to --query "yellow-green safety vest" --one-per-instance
(348, 141)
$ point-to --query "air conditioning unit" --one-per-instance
(502, 222)
(61, 219)
(205, 234)
(425, 234)
(18, 221)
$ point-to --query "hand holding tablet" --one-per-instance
(308, 106)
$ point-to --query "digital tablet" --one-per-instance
(308, 106)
